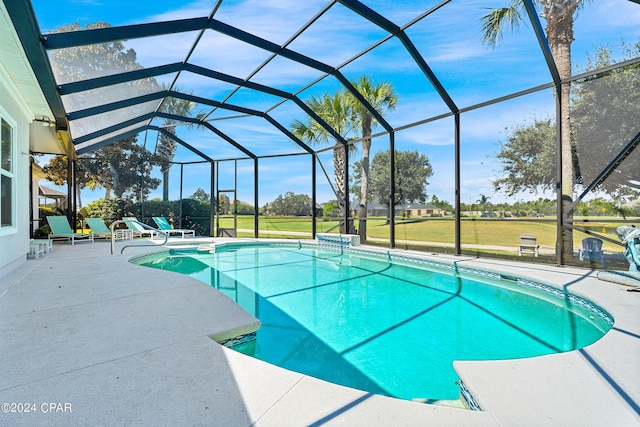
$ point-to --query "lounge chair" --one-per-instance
(591, 250)
(528, 245)
(99, 228)
(137, 230)
(630, 235)
(164, 225)
(60, 229)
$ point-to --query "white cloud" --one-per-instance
(195, 9)
(458, 51)
(174, 48)
(622, 14)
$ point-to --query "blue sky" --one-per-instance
(448, 40)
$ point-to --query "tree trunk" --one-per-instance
(115, 177)
(165, 185)
(166, 150)
(364, 189)
(339, 166)
(560, 36)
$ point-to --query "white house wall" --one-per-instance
(21, 102)
(14, 241)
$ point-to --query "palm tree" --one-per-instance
(484, 202)
(166, 147)
(336, 111)
(559, 16)
(382, 97)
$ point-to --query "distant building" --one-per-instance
(417, 209)
(51, 198)
(411, 209)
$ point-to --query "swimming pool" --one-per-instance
(381, 322)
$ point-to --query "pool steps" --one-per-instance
(238, 340)
(337, 240)
(467, 398)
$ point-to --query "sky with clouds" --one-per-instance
(448, 39)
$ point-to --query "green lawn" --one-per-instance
(494, 232)
(277, 223)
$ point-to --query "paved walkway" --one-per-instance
(90, 339)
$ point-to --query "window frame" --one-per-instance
(12, 175)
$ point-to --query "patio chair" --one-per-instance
(591, 250)
(630, 235)
(136, 229)
(164, 225)
(60, 229)
(99, 228)
(528, 245)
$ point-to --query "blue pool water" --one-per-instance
(378, 324)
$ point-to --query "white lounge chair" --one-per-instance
(99, 228)
(164, 225)
(137, 229)
(60, 229)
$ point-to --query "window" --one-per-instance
(7, 173)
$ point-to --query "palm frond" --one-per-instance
(498, 20)
(381, 96)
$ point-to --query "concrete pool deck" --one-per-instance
(90, 339)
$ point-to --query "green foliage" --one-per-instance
(123, 167)
(200, 195)
(289, 204)
(44, 211)
(496, 20)
(604, 117)
(330, 209)
(350, 119)
(129, 166)
(605, 108)
(442, 204)
(195, 214)
(224, 205)
(149, 209)
(107, 209)
(42, 231)
(559, 16)
(546, 207)
(336, 111)
(167, 146)
(528, 158)
(243, 208)
(413, 171)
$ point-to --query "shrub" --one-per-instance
(42, 232)
(107, 209)
(195, 214)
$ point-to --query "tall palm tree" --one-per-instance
(166, 148)
(336, 111)
(382, 97)
(559, 16)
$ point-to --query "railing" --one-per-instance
(124, 221)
